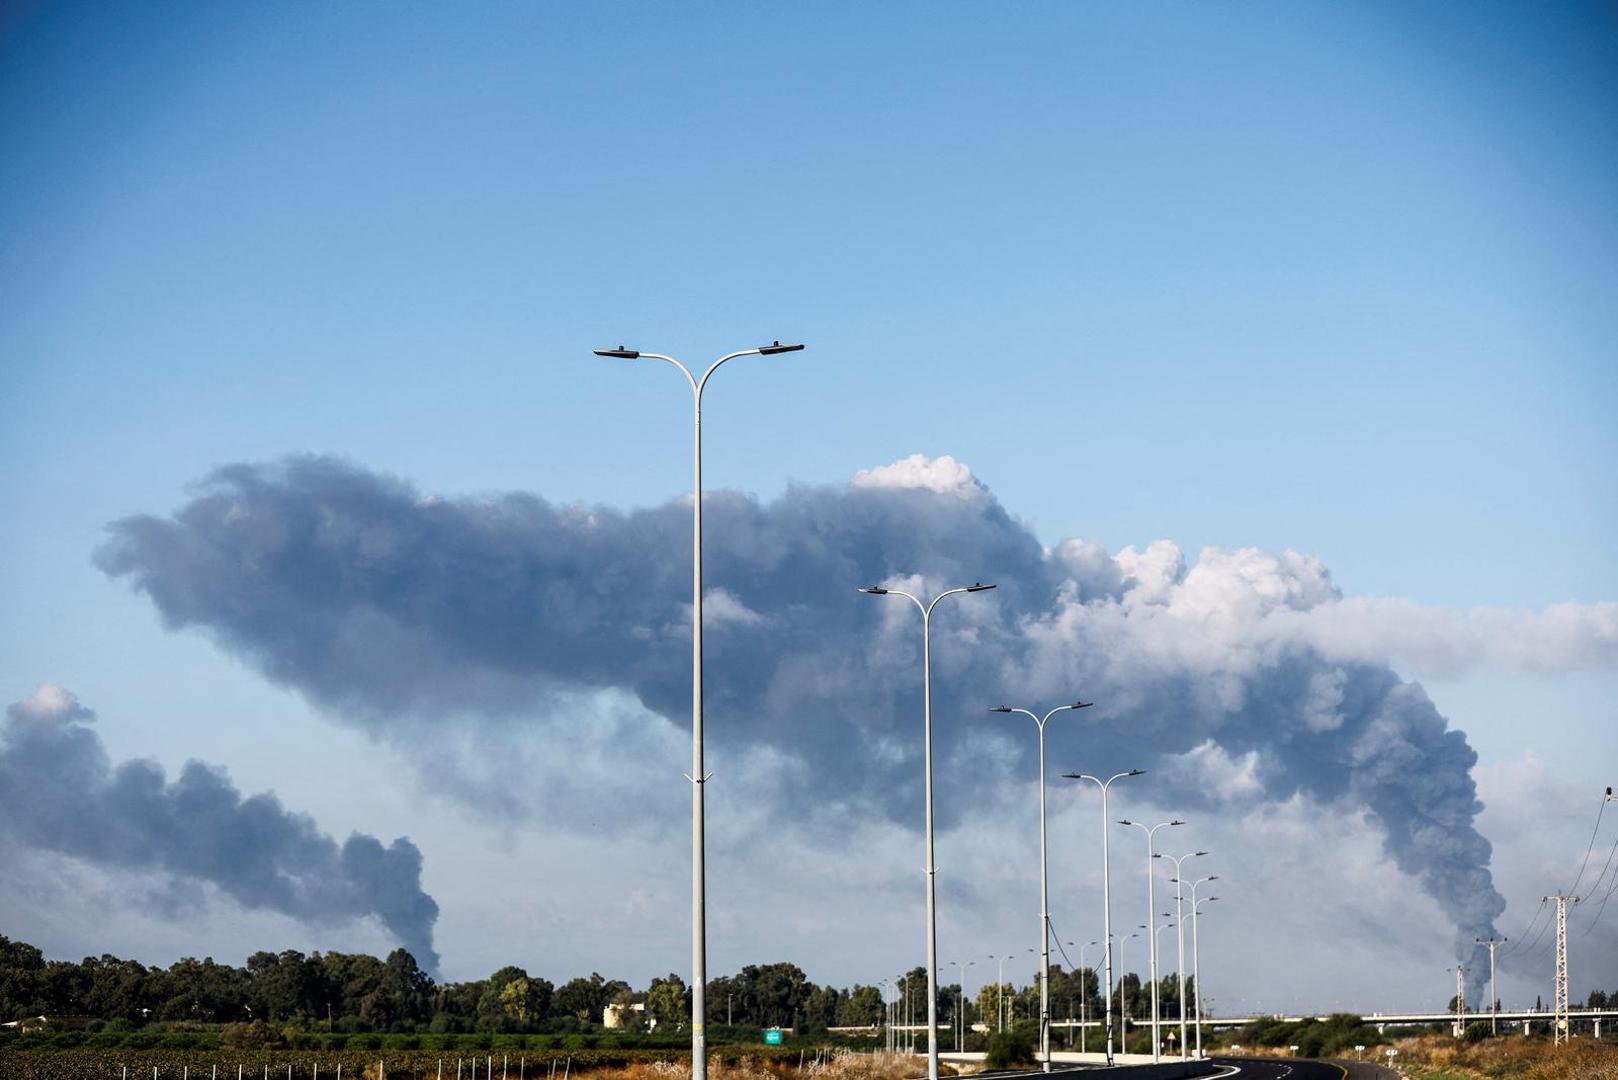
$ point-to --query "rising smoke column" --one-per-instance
(59, 792)
(389, 609)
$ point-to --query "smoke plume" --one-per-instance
(386, 607)
(59, 792)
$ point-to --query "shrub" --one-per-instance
(1009, 1049)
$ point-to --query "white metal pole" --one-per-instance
(699, 779)
(1151, 929)
(1179, 933)
(699, 911)
(1084, 1000)
(1106, 908)
(931, 867)
(1044, 916)
(1196, 972)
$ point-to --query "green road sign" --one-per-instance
(772, 1036)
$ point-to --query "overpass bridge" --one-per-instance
(1580, 1019)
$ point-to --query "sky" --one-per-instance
(1314, 279)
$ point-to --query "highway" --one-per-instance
(1302, 1069)
(1234, 1068)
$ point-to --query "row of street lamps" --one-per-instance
(698, 779)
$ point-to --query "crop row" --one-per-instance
(164, 1064)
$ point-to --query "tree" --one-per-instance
(862, 1005)
(586, 998)
(666, 1003)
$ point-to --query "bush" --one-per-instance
(1009, 1049)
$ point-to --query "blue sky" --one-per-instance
(1328, 278)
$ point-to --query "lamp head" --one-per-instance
(1135, 772)
(1199, 853)
(620, 353)
(978, 587)
(1001, 708)
(1125, 821)
(1080, 705)
(777, 347)
(1176, 821)
(874, 590)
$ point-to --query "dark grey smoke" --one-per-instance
(379, 604)
(59, 792)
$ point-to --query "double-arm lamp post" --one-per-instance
(1106, 882)
(698, 778)
(1044, 883)
(1196, 951)
(926, 610)
(1151, 906)
(1179, 922)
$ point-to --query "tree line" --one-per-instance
(355, 992)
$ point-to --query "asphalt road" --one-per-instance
(1302, 1069)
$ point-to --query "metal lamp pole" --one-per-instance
(698, 778)
(1151, 906)
(927, 708)
(1106, 882)
(960, 1006)
(1179, 922)
(1196, 952)
(1123, 998)
(1084, 998)
(1158, 945)
(1044, 883)
(999, 992)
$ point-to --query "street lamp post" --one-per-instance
(1196, 952)
(1151, 906)
(1179, 922)
(1106, 882)
(927, 710)
(960, 1006)
(698, 778)
(999, 992)
(1044, 886)
(1123, 998)
(1084, 998)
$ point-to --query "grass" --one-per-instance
(1437, 1057)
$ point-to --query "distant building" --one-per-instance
(613, 1015)
(49, 1023)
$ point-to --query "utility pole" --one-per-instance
(698, 778)
(1494, 993)
(1562, 1031)
(1460, 998)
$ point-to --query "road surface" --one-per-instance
(1303, 1069)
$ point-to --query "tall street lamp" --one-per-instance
(1106, 882)
(1179, 922)
(1084, 997)
(698, 778)
(927, 710)
(1196, 952)
(1044, 887)
(1151, 906)
(1123, 998)
(960, 1006)
(999, 992)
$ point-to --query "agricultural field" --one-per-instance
(729, 1063)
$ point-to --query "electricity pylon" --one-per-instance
(1460, 997)
(1494, 993)
(1562, 1030)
